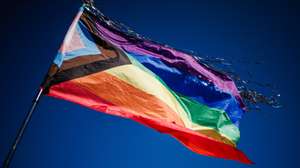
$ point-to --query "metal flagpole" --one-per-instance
(24, 125)
(22, 129)
(88, 2)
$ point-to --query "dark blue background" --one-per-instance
(62, 134)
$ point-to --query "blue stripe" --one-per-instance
(89, 49)
(191, 86)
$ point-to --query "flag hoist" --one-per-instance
(104, 66)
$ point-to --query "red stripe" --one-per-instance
(197, 142)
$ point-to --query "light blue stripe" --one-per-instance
(87, 40)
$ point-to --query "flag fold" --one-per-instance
(104, 68)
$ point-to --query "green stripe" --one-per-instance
(211, 117)
(198, 113)
(138, 64)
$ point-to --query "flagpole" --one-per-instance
(88, 2)
(22, 129)
(26, 120)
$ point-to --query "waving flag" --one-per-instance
(102, 67)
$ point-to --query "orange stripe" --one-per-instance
(195, 141)
(120, 93)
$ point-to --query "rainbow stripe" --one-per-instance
(102, 68)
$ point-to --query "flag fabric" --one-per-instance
(101, 67)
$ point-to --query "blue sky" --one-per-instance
(62, 134)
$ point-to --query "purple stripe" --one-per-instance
(174, 57)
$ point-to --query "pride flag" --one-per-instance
(104, 68)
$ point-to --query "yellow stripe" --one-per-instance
(106, 85)
(142, 80)
(139, 78)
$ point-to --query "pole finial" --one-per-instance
(88, 2)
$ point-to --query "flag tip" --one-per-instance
(88, 2)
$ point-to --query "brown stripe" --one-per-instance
(87, 59)
(80, 66)
(81, 60)
(108, 51)
(87, 69)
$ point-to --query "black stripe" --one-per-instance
(82, 70)
(88, 69)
